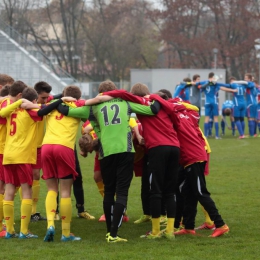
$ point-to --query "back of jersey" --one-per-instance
(112, 120)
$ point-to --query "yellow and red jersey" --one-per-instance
(61, 129)
(5, 102)
(21, 145)
(92, 132)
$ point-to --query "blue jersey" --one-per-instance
(251, 93)
(182, 92)
(211, 90)
(238, 97)
(228, 104)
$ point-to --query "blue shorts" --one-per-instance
(258, 112)
(211, 109)
(239, 111)
(251, 111)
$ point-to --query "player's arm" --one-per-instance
(6, 111)
(133, 124)
(228, 89)
(47, 109)
(202, 86)
(190, 106)
(78, 112)
(151, 110)
(98, 99)
(242, 82)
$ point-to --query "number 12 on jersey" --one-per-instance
(115, 111)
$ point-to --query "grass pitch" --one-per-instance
(234, 185)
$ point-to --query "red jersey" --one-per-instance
(191, 147)
(157, 129)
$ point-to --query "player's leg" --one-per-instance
(79, 192)
(2, 191)
(145, 193)
(169, 188)
(206, 122)
(215, 115)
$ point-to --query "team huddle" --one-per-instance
(246, 102)
(163, 144)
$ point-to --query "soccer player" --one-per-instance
(163, 156)
(195, 94)
(4, 80)
(111, 122)
(19, 154)
(258, 109)
(251, 103)
(59, 165)
(193, 158)
(183, 90)
(227, 110)
(211, 88)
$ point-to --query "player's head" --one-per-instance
(196, 78)
(5, 90)
(166, 92)
(187, 80)
(211, 75)
(227, 111)
(5, 79)
(87, 144)
(43, 90)
(140, 90)
(231, 79)
(248, 77)
(162, 95)
(30, 94)
(106, 86)
(72, 91)
(16, 89)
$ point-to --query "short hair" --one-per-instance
(227, 111)
(29, 93)
(16, 88)
(72, 91)
(140, 90)
(42, 86)
(195, 77)
(249, 75)
(166, 92)
(211, 75)
(6, 79)
(86, 143)
(232, 78)
(106, 86)
(5, 90)
(162, 95)
(187, 80)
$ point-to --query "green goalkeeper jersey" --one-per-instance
(111, 123)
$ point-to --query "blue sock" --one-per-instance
(255, 127)
(206, 127)
(216, 127)
(222, 126)
(239, 128)
(243, 126)
(233, 127)
(251, 127)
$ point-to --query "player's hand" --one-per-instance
(68, 99)
(140, 140)
(229, 128)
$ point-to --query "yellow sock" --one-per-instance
(8, 207)
(170, 225)
(66, 212)
(1, 211)
(207, 217)
(100, 186)
(35, 194)
(26, 209)
(51, 205)
(155, 226)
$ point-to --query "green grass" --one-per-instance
(234, 185)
